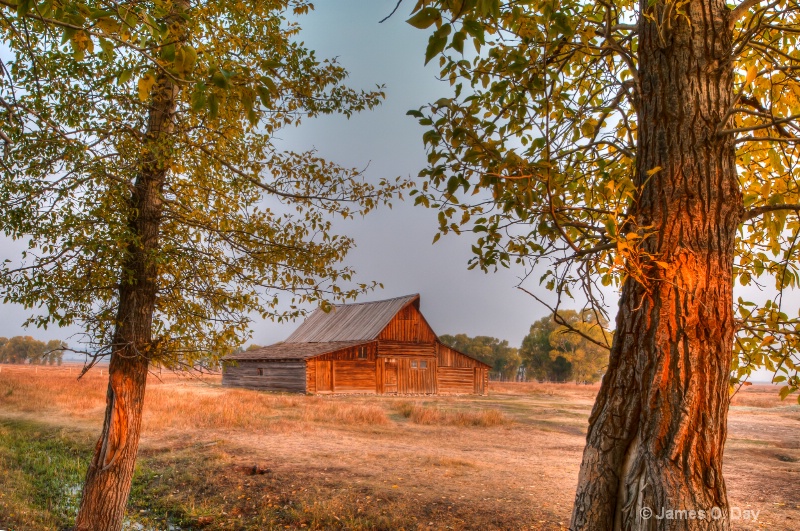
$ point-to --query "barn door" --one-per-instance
(390, 375)
(480, 381)
(324, 376)
(420, 379)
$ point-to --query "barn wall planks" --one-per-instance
(456, 380)
(266, 375)
(324, 376)
(399, 349)
(369, 350)
(311, 376)
(354, 376)
(412, 379)
(408, 325)
(448, 357)
(481, 381)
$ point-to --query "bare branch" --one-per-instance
(754, 213)
(560, 320)
(792, 140)
(775, 123)
(387, 17)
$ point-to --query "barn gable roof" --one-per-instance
(345, 326)
(293, 351)
(351, 322)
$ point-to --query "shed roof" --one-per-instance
(293, 351)
(351, 322)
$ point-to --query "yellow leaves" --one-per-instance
(653, 171)
(144, 86)
(108, 25)
(751, 74)
(765, 188)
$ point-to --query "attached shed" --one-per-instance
(383, 347)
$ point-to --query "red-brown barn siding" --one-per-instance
(385, 347)
(409, 326)
(460, 374)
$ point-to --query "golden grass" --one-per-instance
(430, 415)
(760, 396)
(548, 389)
(49, 388)
(172, 404)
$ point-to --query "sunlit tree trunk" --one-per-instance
(108, 480)
(658, 428)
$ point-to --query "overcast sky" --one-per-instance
(394, 246)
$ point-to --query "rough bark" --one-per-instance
(108, 480)
(658, 428)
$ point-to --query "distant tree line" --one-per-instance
(27, 350)
(554, 352)
(505, 360)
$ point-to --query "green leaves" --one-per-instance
(425, 17)
(96, 121)
(24, 6)
(198, 100)
(437, 42)
(535, 152)
(221, 79)
(488, 8)
(185, 59)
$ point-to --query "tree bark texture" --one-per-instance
(657, 431)
(108, 480)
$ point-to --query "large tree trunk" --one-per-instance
(108, 480)
(658, 428)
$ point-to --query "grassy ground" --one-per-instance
(214, 458)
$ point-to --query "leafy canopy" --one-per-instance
(534, 152)
(246, 224)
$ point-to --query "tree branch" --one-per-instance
(560, 320)
(387, 17)
(740, 10)
(775, 123)
(754, 213)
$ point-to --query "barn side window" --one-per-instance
(362, 353)
(423, 364)
(413, 364)
(260, 372)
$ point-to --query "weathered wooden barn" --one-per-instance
(383, 347)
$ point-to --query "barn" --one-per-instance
(383, 347)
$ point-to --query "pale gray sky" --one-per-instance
(394, 246)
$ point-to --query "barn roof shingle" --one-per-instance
(293, 351)
(351, 322)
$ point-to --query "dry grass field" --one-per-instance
(215, 458)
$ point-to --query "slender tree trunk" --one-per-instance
(108, 480)
(658, 428)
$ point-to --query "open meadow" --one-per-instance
(217, 458)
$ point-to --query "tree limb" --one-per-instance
(387, 17)
(740, 10)
(754, 213)
(560, 320)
